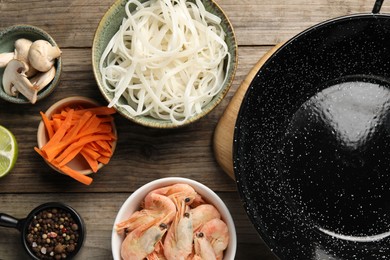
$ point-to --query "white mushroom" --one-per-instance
(42, 55)
(42, 79)
(22, 47)
(14, 78)
(5, 58)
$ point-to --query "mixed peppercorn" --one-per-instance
(53, 234)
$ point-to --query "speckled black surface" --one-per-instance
(312, 143)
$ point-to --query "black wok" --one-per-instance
(312, 142)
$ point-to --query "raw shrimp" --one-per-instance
(178, 193)
(158, 253)
(156, 208)
(142, 241)
(217, 233)
(179, 239)
(203, 248)
(203, 214)
(197, 201)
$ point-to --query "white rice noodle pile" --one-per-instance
(166, 59)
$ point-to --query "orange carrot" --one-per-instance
(93, 163)
(99, 111)
(57, 124)
(104, 146)
(106, 119)
(39, 151)
(58, 135)
(76, 175)
(77, 130)
(88, 149)
(82, 141)
(70, 137)
(103, 159)
(47, 124)
(65, 169)
(69, 157)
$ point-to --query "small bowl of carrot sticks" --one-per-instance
(77, 137)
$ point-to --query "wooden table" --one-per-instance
(142, 154)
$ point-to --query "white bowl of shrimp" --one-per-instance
(174, 218)
(165, 63)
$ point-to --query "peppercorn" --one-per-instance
(52, 234)
(75, 227)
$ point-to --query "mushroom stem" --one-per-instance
(43, 79)
(14, 78)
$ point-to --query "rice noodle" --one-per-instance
(166, 60)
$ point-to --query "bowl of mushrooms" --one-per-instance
(30, 64)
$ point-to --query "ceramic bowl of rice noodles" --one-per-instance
(164, 63)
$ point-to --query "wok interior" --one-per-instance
(312, 149)
(336, 158)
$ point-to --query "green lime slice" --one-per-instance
(8, 151)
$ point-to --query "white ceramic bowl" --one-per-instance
(132, 204)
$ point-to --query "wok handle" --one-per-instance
(377, 6)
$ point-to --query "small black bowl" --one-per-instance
(23, 226)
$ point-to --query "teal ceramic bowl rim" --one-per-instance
(32, 33)
(108, 26)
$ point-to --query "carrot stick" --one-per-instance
(106, 119)
(104, 128)
(70, 136)
(104, 145)
(88, 149)
(82, 141)
(57, 124)
(39, 151)
(76, 175)
(70, 172)
(103, 159)
(76, 130)
(69, 157)
(105, 153)
(99, 111)
(89, 128)
(47, 124)
(93, 163)
(58, 135)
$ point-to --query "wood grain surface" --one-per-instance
(142, 154)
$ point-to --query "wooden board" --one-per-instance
(224, 132)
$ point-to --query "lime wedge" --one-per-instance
(8, 151)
